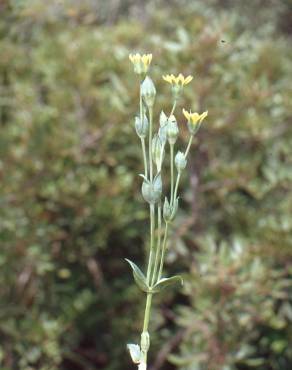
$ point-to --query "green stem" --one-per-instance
(173, 107)
(144, 157)
(179, 175)
(142, 139)
(147, 311)
(151, 254)
(171, 173)
(141, 105)
(150, 143)
(152, 207)
(176, 185)
(189, 145)
(163, 251)
(158, 247)
(146, 324)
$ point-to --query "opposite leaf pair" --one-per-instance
(141, 281)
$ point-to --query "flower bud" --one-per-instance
(172, 130)
(162, 119)
(145, 341)
(169, 211)
(148, 91)
(157, 186)
(141, 127)
(157, 152)
(180, 161)
(135, 352)
(152, 191)
(162, 132)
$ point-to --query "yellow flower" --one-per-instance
(194, 120)
(141, 62)
(178, 81)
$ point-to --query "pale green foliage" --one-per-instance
(231, 291)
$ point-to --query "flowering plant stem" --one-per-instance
(153, 154)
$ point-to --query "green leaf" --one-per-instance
(139, 277)
(165, 282)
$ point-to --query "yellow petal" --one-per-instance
(188, 80)
(195, 118)
(203, 115)
(144, 59)
(180, 79)
(186, 114)
(174, 80)
(167, 78)
(137, 58)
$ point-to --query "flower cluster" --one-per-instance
(177, 82)
(141, 62)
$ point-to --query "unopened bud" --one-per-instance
(141, 127)
(157, 152)
(162, 132)
(169, 211)
(152, 191)
(172, 130)
(180, 161)
(162, 119)
(148, 91)
(135, 352)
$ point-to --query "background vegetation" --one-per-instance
(71, 208)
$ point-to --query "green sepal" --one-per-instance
(139, 277)
(165, 282)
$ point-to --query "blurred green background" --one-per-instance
(71, 208)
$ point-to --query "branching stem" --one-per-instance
(173, 107)
(144, 157)
(189, 145)
(156, 255)
(151, 254)
(143, 139)
(171, 173)
(158, 247)
(146, 324)
(163, 250)
(150, 142)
